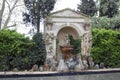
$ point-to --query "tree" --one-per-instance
(87, 7)
(39, 51)
(108, 8)
(2, 11)
(11, 8)
(6, 11)
(106, 23)
(37, 10)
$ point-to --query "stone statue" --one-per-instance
(62, 67)
(85, 63)
(49, 59)
(102, 65)
(54, 64)
(50, 51)
(79, 66)
(91, 62)
(97, 66)
(49, 38)
(71, 63)
(35, 68)
(49, 26)
(66, 40)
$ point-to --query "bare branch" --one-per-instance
(8, 4)
(12, 25)
(9, 15)
(14, 5)
(19, 5)
(1, 12)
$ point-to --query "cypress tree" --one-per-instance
(108, 8)
(39, 52)
(87, 7)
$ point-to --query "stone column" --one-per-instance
(50, 43)
(86, 41)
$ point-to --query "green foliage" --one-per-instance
(106, 47)
(39, 50)
(108, 8)
(87, 7)
(106, 23)
(35, 55)
(76, 43)
(12, 47)
(37, 10)
(17, 51)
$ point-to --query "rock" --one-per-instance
(15, 70)
(35, 68)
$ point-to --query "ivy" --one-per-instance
(76, 43)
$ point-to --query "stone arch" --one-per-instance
(76, 27)
(63, 30)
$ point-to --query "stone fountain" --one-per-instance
(69, 61)
(66, 51)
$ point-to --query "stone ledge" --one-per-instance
(11, 74)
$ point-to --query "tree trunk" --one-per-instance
(1, 12)
(38, 25)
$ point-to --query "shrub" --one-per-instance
(35, 55)
(13, 48)
(106, 47)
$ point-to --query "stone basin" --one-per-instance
(66, 50)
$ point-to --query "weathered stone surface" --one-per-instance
(106, 76)
(66, 22)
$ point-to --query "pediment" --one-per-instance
(67, 13)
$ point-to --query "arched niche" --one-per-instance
(67, 30)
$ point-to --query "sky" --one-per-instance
(60, 4)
